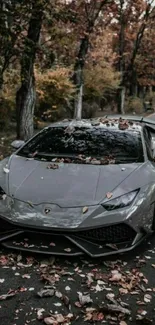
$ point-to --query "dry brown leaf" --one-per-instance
(116, 276)
(40, 313)
(53, 166)
(46, 293)
(122, 322)
(84, 299)
(77, 304)
(85, 209)
(109, 195)
(147, 298)
(50, 321)
(123, 291)
(68, 250)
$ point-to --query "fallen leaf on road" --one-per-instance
(84, 299)
(147, 298)
(7, 296)
(46, 293)
(50, 321)
(65, 300)
(40, 313)
(67, 288)
(3, 260)
(26, 276)
(123, 291)
(58, 304)
(116, 276)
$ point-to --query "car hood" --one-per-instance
(71, 185)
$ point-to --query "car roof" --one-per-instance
(107, 122)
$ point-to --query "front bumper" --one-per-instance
(68, 232)
(94, 242)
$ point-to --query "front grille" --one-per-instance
(117, 233)
(110, 234)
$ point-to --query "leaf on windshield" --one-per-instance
(123, 125)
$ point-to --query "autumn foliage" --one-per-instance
(110, 43)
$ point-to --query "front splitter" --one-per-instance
(61, 245)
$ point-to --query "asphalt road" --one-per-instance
(128, 279)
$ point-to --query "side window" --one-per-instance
(147, 138)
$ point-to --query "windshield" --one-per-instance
(87, 144)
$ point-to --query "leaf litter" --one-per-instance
(112, 282)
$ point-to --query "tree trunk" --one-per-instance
(78, 76)
(78, 106)
(25, 101)
(121, 64)
(26, 96)
(121, 100)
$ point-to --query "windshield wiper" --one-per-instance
(55, 155)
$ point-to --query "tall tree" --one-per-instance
(89, 12)
(132, 18)
(13, 20)
(26, 95)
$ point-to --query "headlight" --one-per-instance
(121, 201)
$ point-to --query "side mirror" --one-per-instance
(16, 144)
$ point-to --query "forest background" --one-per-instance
(64, 59)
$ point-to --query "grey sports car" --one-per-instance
(80, 187)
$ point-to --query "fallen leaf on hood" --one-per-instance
(85, 209)
(46, 293)
(109, 195)
(2, 280)
(6, 170)
(122, 322)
